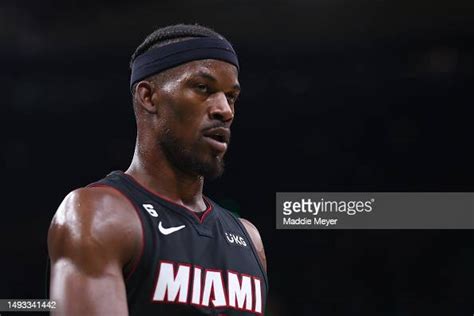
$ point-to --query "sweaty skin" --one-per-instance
(96, 235)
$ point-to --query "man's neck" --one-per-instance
(157, 175)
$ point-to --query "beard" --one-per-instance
(186, 158)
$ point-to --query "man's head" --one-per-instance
(184, 86)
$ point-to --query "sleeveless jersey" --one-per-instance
(190, 265)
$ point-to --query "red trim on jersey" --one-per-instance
(199, 218)
(139, 258)
(207, 211)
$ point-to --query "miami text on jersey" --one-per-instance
(187, 284)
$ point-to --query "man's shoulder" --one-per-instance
(89, 218)
(256, 240)
(252, 231)
(90, 200)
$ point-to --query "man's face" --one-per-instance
(196, 110)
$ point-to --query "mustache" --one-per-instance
(217, 124)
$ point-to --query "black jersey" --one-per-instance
(190, 265)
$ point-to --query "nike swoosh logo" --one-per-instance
(169, 230)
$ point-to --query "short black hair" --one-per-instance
(171, 34)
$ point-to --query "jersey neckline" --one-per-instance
(167, 201)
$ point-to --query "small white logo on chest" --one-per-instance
(235, 239)
(169, 230)
(164, 230)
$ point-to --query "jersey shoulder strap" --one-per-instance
(134, 270)
(236, 220)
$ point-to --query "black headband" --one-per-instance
(171, 55)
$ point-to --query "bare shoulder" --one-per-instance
(93, 226)
(256, 239)
(93, 235)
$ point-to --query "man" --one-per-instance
(146, 241)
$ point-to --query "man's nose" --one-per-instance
(220, 109)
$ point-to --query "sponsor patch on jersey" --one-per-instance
(234, 239)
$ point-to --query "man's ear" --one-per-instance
(146, 94)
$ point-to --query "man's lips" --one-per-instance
(219, 134)
(216, 145)
(218, 138)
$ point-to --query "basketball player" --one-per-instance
(147, 241)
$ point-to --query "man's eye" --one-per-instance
(202, 88)
(231, 98)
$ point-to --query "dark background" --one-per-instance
(337, 96)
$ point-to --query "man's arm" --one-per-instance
(257, 241)
(94, 234)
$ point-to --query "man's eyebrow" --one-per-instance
(206, 75)
(210, 77)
